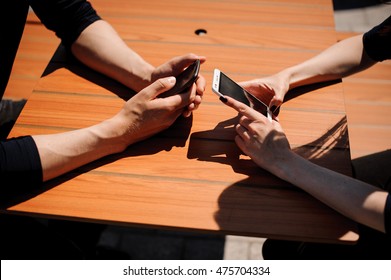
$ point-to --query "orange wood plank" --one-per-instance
(369, 92)
(368, 140)
(217, 33)
(266, 12)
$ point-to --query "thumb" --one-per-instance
(275, 104)
(159, 86)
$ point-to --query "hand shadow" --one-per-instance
(218, 145)
(263, 203)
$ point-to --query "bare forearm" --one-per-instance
(100, 47)
(357, 200)
(340, 60)
(61, 153)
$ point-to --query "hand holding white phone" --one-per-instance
(223, 85)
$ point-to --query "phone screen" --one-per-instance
(228, 87)
(232, 89)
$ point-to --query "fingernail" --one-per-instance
(171, 80)
(223, 99)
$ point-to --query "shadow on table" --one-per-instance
(243, 203)
(63, 59)
(374, 169)
(240, 201)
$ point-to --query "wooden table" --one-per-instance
(192, 176)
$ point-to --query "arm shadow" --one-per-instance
(298, 91)
(64, 59)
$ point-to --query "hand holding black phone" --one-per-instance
(184, 80)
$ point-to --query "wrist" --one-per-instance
(292, 77)
(144, 76)
(138, 73)
(110, 136)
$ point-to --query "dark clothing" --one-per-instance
(19, 158)
(377, 41)
(387, 215)
(23, 237)
(11, 165)
(68, 18)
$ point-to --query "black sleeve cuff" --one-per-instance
(67, 18)
(20, 165)
(377, 41)
(387, 215)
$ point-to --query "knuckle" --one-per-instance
(160, 84)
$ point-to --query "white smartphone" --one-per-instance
(223, 85)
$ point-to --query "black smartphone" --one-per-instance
(185, 79)
(223, 85)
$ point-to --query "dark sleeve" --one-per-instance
(20, 165)
(67, 18)
(377, 41)
(387, 215)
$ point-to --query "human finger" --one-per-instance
(242, 108)
(200, 84)
(158, 87)
(243, 132)
(179, 63)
